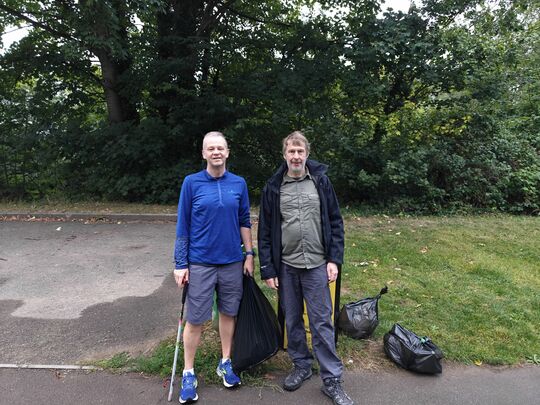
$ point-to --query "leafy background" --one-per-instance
(432, 110)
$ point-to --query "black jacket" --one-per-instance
(269, 233)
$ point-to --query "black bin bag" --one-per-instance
(359, 319)
(257, 333)
(412, 352)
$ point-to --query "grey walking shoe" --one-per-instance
(333, 389)
(295, 379)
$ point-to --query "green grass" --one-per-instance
(100, 207)
(161, 360)
(470, 283)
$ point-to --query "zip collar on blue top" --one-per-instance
(316, 171)
(210, 177)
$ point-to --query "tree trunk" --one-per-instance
(181, 29)
(119, 108)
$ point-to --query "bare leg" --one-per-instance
(226, 333)
(192, 338)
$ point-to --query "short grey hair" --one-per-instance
(296, 138)
(215, 134)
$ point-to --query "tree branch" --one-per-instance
(208, 18)
(35, 23)
(249, 17)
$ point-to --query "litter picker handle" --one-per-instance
(184, 293)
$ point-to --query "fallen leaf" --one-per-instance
(478, 362)
(424, 249)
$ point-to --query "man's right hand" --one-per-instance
(181, 276)
(273, 283)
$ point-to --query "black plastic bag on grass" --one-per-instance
(412, 352)
(360, 319)
(257, 333)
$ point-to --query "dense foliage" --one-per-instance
(434, 109)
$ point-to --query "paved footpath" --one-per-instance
(76, 291)
(456, 386)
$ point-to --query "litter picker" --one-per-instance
(178, 337)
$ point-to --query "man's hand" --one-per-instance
(273, 283)
(248, 265)
(332, 271)
(181, 276)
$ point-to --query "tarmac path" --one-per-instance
(71, 291)
(456, 386)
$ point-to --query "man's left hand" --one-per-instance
(332, 271)
(248, 265)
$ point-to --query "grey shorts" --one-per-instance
(225, 279)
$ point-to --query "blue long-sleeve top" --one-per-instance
(211, 212)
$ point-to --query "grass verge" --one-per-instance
(470, 283)
(99, 207)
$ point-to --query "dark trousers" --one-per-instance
(295, 286)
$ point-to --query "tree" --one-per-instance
(80, 30)
(431, 109)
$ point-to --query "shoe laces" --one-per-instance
(188, 380)
(227, 366)
(334, 384)
(298, 371)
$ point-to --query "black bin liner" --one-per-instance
(257, 333)
(412, 352)
(359, 319)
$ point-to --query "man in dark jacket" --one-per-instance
(300, 247)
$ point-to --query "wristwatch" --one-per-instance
(250, 253)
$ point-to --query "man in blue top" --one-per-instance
(213, 222)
